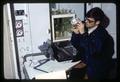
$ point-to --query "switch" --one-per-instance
(19, 12)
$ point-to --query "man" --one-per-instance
(95, 46)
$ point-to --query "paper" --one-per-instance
(52, 75)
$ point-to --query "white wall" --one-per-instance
(110, 10)
(91, 5)
(39, 24)
(77, 7)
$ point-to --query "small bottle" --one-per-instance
(75, 21)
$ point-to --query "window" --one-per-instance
(61, 27)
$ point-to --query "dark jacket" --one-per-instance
(96, 50)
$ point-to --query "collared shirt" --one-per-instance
(92, 29)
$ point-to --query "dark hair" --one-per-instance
(98, 15)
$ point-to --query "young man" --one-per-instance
(95, 46)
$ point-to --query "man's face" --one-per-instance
(90, 22)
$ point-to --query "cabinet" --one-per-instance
(61, 27)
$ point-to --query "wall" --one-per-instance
(40, 24)
(78, 8)
(110, 10)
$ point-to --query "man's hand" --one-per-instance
(78, 28)
(80, 65)
(75, 30)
